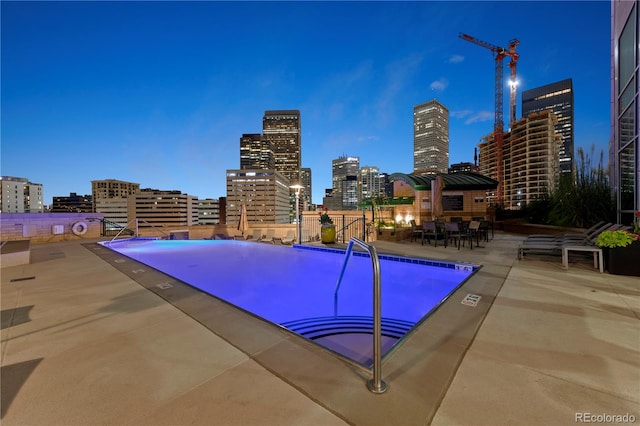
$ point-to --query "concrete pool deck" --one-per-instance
(84, 343)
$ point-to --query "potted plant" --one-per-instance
(328, 230)
(621, 250)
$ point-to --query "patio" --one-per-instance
(85, 343)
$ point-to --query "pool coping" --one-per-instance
(417, 381)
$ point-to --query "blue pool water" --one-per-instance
(294, 287)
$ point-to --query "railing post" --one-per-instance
(376, 384)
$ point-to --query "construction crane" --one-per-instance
(499, 54)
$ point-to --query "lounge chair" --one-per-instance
(589, 233)
(290, 238)
(585, 239)
(257, 234)
(268, 237)
(556, 247)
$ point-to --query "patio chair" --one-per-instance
(430, 229)
(290, 238)
(483, 230)
(268, 237)
(415, 231)
(453, 231)
(473, 231)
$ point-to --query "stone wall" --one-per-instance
(52, 227)
(49, 227)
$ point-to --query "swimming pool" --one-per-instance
(295, 287)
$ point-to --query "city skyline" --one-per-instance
(159, 93)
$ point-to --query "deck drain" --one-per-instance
(22, 279)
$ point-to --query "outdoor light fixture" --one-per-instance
(297, 187)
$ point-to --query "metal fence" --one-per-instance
(347, 226)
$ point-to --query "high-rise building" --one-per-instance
(624, 148)
(20, 196)
(110, 196)
(344, 180)
(255, 152)
(73, 203)
(530, 159)
(281, 131)
(387, 185)
(430, 137)
(371, 183)
(557, 97)
(264, 192)
(305, 181)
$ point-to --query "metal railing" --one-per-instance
(151, 225)
(347, 227)
(376, 384)
(110, 228)
(126, 227)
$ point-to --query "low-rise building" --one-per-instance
(74, 203)
(159, 209)
(209, 211)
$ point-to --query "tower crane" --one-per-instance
(499, 54)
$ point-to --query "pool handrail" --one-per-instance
(126, 227)
(376, 384)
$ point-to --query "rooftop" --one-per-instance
(87, 340)
(452, 181)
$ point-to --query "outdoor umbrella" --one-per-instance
(437, 209)
(243, 223)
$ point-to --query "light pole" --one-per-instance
(297, 187)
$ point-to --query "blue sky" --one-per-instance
(159, 93)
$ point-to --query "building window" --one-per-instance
(627, 178)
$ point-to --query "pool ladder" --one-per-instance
(376, 384)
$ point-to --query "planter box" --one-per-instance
(398, 234)
(623, 260)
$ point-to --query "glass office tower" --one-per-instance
(557, 97)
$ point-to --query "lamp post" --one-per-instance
(297, 187)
